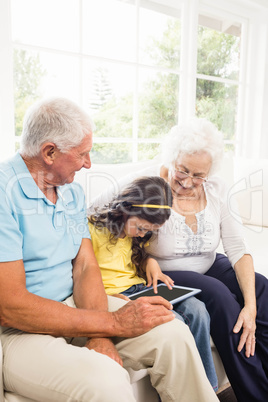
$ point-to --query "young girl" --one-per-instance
(120, 232)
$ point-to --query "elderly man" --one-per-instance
(58, 328)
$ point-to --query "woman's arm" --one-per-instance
(231, 226)
(247, 318)
(232, 235)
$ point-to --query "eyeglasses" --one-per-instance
(181, 175)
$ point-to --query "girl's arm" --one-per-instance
(154, 274)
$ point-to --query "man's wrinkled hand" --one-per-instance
(140, 316)
(106, 347)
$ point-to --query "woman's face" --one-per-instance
(136, 227)
(189, 173)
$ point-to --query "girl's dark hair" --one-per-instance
(144, 191)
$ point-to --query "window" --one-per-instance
(218, 68)
(124, 71)
(137, 66)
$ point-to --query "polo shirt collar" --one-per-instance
(65, 195)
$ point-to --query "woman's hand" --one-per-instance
(247, 318)
(154, 274)
(247, 321)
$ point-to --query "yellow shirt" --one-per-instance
(117, 270)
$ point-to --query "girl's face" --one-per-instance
(136, 227)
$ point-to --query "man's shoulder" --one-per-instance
(6, 170)
(6, 165)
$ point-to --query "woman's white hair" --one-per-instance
(199, 135)
(56, 120)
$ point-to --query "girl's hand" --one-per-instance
(246, 320)
(154, 274)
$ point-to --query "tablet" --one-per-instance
(177, 294)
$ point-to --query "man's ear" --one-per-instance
(49, 152)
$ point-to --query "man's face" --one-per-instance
(67, 164)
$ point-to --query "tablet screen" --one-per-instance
(177, 293)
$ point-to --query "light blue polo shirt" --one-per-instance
(44, 235)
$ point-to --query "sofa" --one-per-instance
(248, 183)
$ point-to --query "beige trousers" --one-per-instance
(46, 368)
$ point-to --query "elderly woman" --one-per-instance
(185, 248)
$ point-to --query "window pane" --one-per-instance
(48, 23)
(61, 76)
(159, 39)
(148, 151)
(218, 53)
(109, 29)
(42, 74)
(218, 103)
(108, 96)
(28, 73)
(158, 103)
(111, 153)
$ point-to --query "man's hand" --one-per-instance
(106, 347)
(140, 316)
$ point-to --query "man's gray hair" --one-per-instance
(56, 120)
(198, 135)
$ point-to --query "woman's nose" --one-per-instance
(188, 182)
